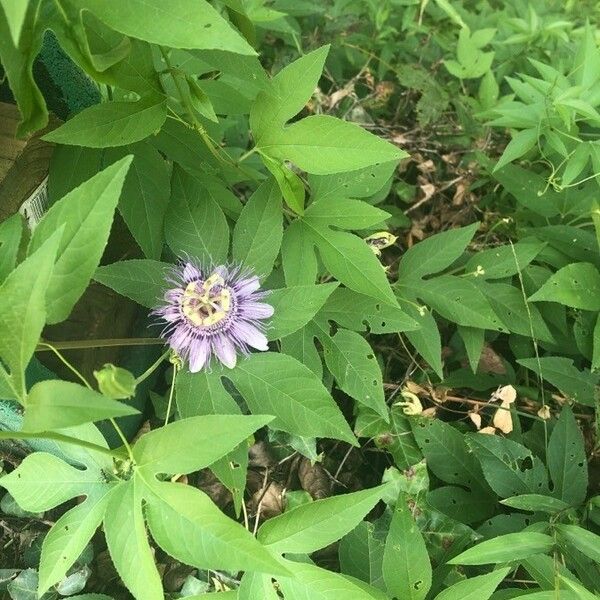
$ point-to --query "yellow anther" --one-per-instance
(214, 280)
(214, 318)
(225, 299)
(209, 307)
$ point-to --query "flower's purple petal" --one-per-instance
(191, 273)
(245, 287)
(199, 353)
(223, 271)
(256, 310)
(173, 296)
(248, 334)
(178, 340)
(171, 314)
(225, 351)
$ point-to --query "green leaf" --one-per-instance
(295, 306)
(361, 313)
(406, 567)
(195, 224)
(44, 481)
(596, 346)
(145, 196)
(190, 444)
(290, 185)
(585, 541)
(11, 231)
(576, 163)
(312, 526)
(188, 526)
(314, 583)
(345, 214)
(185, 147)
(521, 143)
(351, 261)
(395, 436)
(535, 503)
(203, 394)
(93, 460)
(587, 60)
(279, 385)
(360, 183)
(288, 92)
(111, 124)
(127, 543)
(575, 590)
(322, 144)
(448, 457)
(69, 536)
(298, 258)
(530, 189)
(181, 24)
(567, 461)
(509, 468)
(520, 317)
(69, 167)
(17, 62)
(22, 312)
(576, 285)
(352, 362)
(473, 339)
(361, 554)
(256, 586)
(23, 586)
(501, 261)
(461, 505)
(56, 404)
(142, 280)
(458, 300)
(544, 569)
(259, 230)
(505, 548)
(435, 253)
(87, 214)
(426, 338)
(15, 11)
(480, 587)
(301, 346)
(562, 374)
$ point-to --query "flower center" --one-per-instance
(206, 303)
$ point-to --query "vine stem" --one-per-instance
(152, 367)
(190, 110)
(58, 437)
(171, 391)
(100, 343)
(123, 439)
(68, 364)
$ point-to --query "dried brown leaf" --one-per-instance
(313, 479)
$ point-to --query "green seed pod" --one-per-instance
(115, 382)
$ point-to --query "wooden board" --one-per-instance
(23, 162)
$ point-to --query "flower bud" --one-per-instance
(115, 382)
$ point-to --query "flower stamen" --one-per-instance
(208, 306)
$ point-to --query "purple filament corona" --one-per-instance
(213, 312)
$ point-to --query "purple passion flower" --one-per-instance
(213, 311)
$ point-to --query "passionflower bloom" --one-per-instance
(213, 311)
